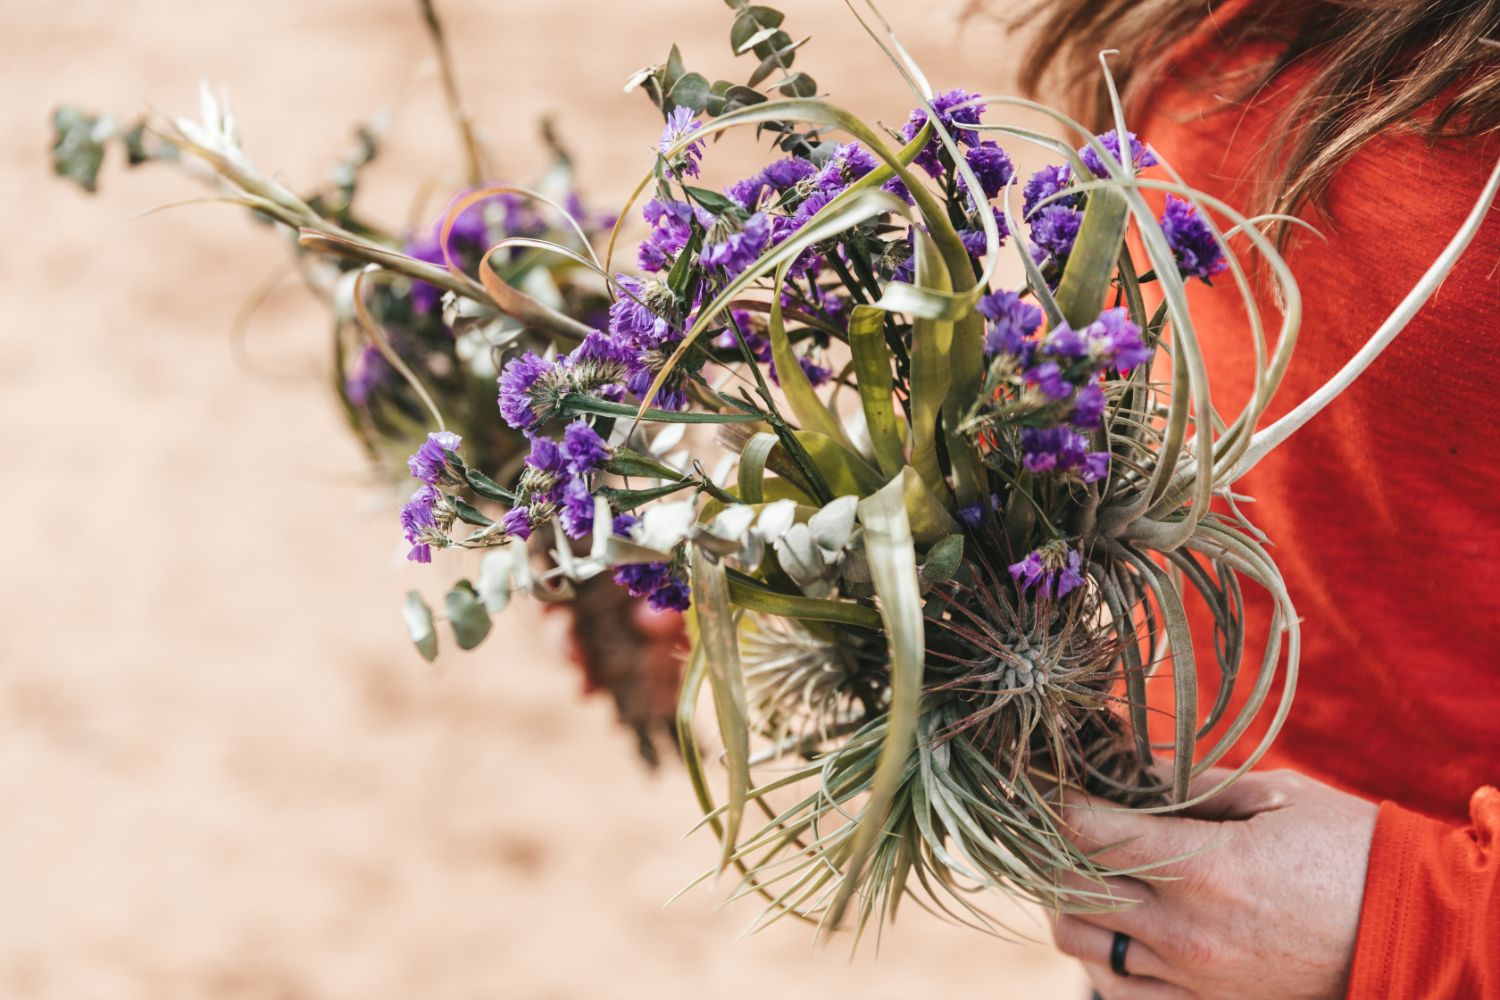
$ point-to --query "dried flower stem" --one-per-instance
(463, 118)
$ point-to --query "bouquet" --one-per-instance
(932, 532)
(408, 350)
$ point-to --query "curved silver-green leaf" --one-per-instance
(893, 566)
(719, 641)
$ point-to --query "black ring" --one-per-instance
(1117, 954)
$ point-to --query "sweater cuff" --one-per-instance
(1383, 926)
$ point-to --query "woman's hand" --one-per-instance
(1264, 901)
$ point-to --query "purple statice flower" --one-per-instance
(1069, 575)
(970, 515)
(577, 513)
(517, 522)
(788, 171)
(949, 113)
(1061, 449)
(1053, 230)
(1045, 183)
(641, 579)
(622, 524)
(584, 449)
(546, 456)
(419, 519)
(1088, 407)
(600, 348)
(1031, 572)
(746, 193)
(517, 406)
(1062, 341)
(631, 319)
(817, 374)
(429, 463)
(671, 228)
(738, 251)
(672, 395)
(371, 371)
(1049, 572)
(1115, 340)
(850, 161)
(974, 239)
(1198, 253)
(991, 166)
(811, 206)
(673, 595)
(1095, 466)
(681, 123)
(897, 187)
(1012, 321)
(1048, 378)
(1140, 156)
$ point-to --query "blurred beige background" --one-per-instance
(225, 775)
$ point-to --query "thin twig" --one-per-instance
(463, 119)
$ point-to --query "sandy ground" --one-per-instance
(225, 774)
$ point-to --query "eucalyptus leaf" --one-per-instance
(467, 616)
(418, 618)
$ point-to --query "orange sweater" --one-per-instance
(1385, 515)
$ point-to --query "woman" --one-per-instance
(1371, 868)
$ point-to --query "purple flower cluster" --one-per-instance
(1198, 253)
(1052, 571)
(609, 365)
(419, 521)
(429, 462)
(1140, 156)
(991, 166)
(681, 123)
(1011, 322)
(738, 250)
(1045, 183)
(1065, 366)
(850, 161)
(556, 482)
(973, 237)
(953, 107)
(1062, 449)
(671, 228)
(1054, 225)
(655, 581)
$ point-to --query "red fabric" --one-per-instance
(1385, 516)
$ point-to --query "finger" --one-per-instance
(1124, 839)
(1133, 987)
(1246, 796)
(1090, 944)
(1124, 904)
(656, 624)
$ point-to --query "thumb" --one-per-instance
(1246, 796)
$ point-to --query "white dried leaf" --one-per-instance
(833, 526)
(775, 518)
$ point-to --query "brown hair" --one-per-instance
(1428, 65)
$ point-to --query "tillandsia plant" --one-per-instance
(412, 345)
